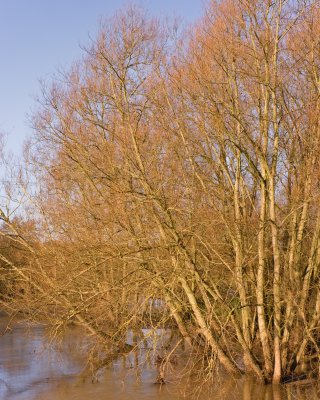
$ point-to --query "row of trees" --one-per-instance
(186, 170)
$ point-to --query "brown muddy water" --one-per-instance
(34, 368)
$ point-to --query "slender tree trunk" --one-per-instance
(205, 331)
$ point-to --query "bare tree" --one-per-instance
(176, 185)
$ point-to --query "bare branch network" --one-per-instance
(173, 182)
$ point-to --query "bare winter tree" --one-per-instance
(176, 184)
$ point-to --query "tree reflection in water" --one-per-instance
(33, 369)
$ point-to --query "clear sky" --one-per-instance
(38, 37)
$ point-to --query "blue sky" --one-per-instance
(39, 37)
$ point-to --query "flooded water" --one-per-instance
(32, 368)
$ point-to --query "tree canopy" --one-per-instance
(175, 182)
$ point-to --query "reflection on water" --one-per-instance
(31, 368)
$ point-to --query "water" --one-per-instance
(33, 368)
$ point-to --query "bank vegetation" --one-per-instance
(173, 181)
